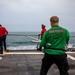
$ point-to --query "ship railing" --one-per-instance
(35, 38)
(71, 44)
(22, 38)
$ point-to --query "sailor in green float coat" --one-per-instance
(55, 40)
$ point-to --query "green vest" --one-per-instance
(54, 40)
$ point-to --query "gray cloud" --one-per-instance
(37, 5)
(31, 13)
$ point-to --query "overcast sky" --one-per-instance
(28, 15)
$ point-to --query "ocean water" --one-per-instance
(26, 42)
(22, 42)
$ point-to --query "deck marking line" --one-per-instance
(71, 57)
(71, 52)
(0, 58)
(24, 53)
(32, 53)
(68, 56)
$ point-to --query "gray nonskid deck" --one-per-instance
(28, 64)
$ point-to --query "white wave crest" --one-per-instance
(28, 47)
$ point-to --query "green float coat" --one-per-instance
(55, 39)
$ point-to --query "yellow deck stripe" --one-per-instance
(69, 56)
